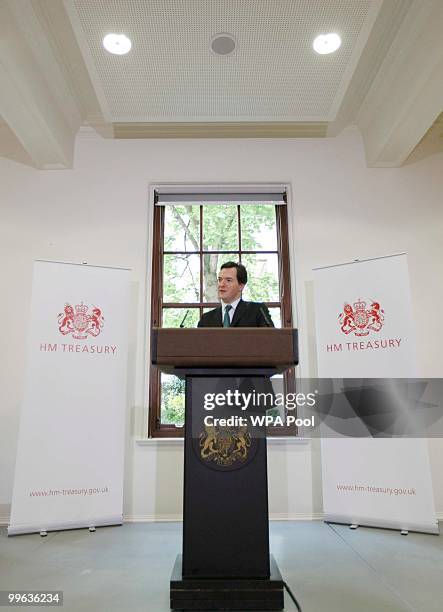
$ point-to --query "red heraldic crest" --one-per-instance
(80, 322)
(359, 320)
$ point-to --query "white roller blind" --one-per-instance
(168, 197)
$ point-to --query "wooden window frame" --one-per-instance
(155, 428)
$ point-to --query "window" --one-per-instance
(192, 239)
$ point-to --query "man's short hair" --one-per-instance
(242, 275)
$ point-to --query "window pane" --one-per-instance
(172, 317)
(182, 228)
(181, 278)
(262, 283)
(258, 227)
(275, 316)
(211, 267)
(220, 228)
(172, 391)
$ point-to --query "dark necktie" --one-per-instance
(226, 318)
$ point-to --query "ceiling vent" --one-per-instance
(223, 44)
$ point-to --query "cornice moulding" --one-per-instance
(221, 130)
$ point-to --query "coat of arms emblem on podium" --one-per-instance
(225, 446)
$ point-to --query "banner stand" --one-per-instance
(67, 475)
(365, 329)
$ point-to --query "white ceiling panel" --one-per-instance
(386, 79)
(171, 74)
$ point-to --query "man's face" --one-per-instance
(229, 289)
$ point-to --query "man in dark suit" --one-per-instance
(234, 312)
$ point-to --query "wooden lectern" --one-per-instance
(225, 563)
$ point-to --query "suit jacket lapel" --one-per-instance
(218, 316)
(241, 307)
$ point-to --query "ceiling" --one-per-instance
(171, 74)
(56, 77)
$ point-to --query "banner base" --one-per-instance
(65, 525)
(361, 521)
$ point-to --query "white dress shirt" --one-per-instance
(231, 312)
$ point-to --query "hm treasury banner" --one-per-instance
(365, 330)
(69, 467)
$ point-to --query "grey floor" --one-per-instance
(328, 567)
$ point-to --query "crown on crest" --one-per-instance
(81, 308)
(359, 305)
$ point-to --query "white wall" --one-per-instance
(98, 213)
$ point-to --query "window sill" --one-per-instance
(277, 441)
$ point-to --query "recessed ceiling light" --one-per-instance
(327, 43)
(118, 44)
(223, 44)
